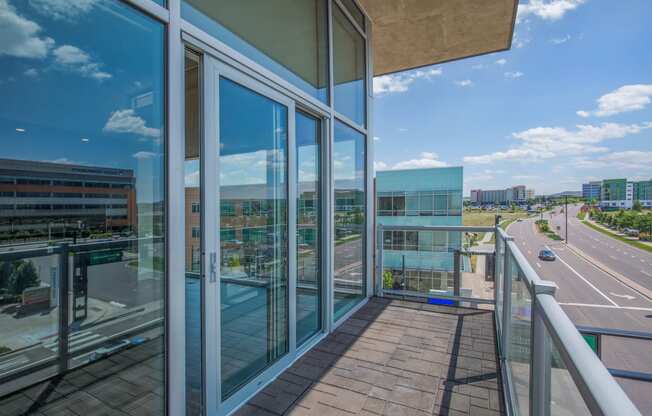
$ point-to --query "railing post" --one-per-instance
(540, 354)
(456, 273)
(380, 283)
(64, 307)
(507, 300)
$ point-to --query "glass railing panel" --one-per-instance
(520, 339)
(29, 311)
(565, 397)
(436, 265)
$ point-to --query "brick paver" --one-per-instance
(393, 358)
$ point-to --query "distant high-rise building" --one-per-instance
(515, 194)
(592, 190)
(619, 193)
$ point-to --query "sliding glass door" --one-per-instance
(253, 233)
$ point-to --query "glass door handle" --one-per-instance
(212, 278)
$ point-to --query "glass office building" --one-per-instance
(420, 259)
(182, 179)
(186, 191)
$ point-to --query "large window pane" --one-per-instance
(309, 282)
(82, 172)
(288, 37)
(253, 248)
(348, 68)
(349, 175)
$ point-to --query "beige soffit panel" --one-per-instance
(409, 34)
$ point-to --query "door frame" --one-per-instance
(215, 69)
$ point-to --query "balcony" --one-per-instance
(441, 336)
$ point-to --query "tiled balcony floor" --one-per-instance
(394, 358)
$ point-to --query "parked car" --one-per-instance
(547, 255)
(632, 232)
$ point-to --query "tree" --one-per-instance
(637, 206)
(23, 276)
(388, 280)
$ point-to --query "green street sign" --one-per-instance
(593, 340)
(103, 257)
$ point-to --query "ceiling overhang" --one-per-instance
(409, 34)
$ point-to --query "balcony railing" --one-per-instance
(547, 366)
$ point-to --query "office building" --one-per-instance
(514, 195)
(420, 197)
(592, 190)
(622, 194)
(39, 199)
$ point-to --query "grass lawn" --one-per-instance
(478, 218)
(634, 243)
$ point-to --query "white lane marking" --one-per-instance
(629, 297)
(586, 281)
(646, 273)
(538, 265)
(592, 305)
(612, 257)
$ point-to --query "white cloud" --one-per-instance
(402, 129)
(635, 161)
(547, 9)
(144, 155)
(549, 142)
(63, 9)
(464, 83)
(583, 113)
(20, 36)
(427, 160)
(625, 99)
(380, 165)
(31, 72)
(514, 75)
(559, 41)
(385, 84)
(525, 177)
(73, 59)
(501, 61)
(478, 66)
(376, 138)
(126, 121)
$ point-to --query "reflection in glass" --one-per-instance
(354, 11)
(349, 175)
(253, 233)
(348, 68)
(288, 37)
(308, 139)
(81, 171)
(192, 125)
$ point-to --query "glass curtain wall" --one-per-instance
(349, 68)
(82, 128)
(309, 281)
(288, 37)
(349, 153)
(254, 233)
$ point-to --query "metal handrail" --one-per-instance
(462, 228)
(601, 393)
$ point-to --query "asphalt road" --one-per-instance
(592, 297)
(630, 261)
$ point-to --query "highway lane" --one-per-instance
(591, 297)
(632, 262)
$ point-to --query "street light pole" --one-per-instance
(566, 214)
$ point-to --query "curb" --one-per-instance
(624, 280)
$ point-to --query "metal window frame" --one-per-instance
(179, 34)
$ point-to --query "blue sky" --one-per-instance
(570, 102)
